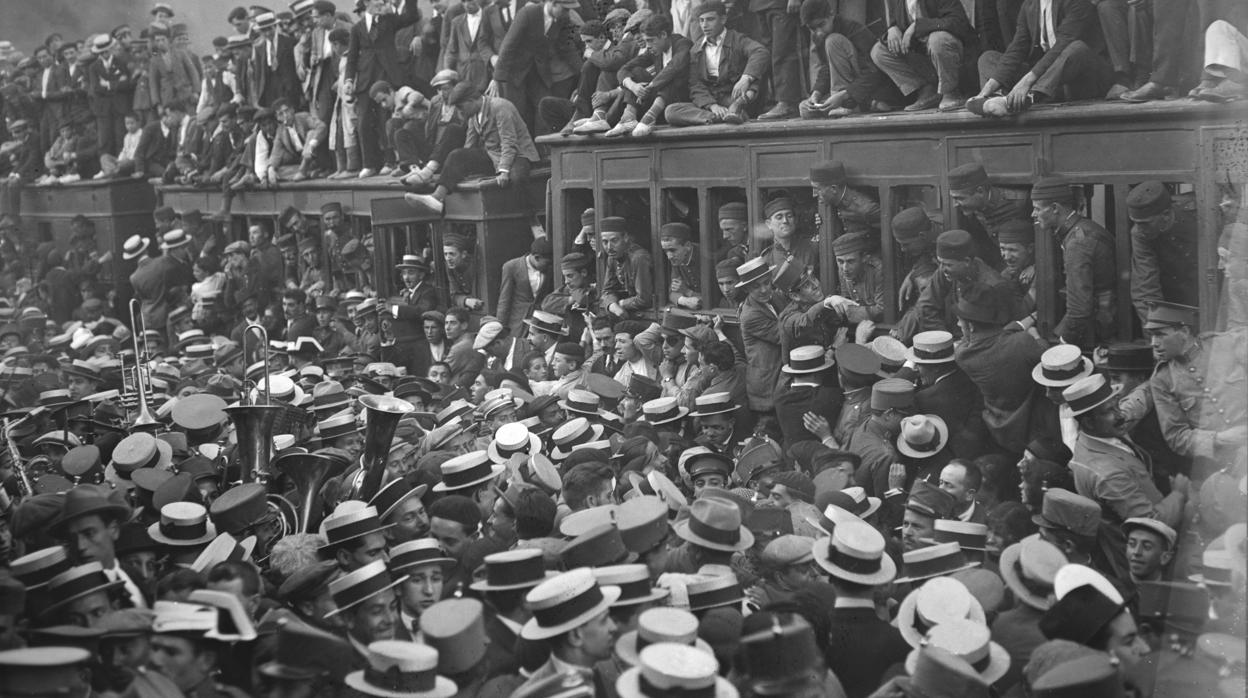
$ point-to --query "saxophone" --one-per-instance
(24, 485)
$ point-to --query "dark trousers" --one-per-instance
(1181, 23)
(110, 130)
(464, 163)
(370, 131)
(1077, 74)
(778, 32)
(528, 95)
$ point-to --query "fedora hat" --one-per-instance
(967, 534)
(969, 641)
(470, 469)
(934, 347)
(633, 579)
(359, 585)
(659, 624)
(808, 359)
(523, 568)
(1061, 366)
(780, 655)
(662, 410)
(671, 669)
(456, 629)
(343, 526)
(35, 570)
(337, 426)
(183, 525)
(1094, 674)
(933, 561)
(304, 653)
(715, 591)
(1029, 567)
(564, 602)
(512, 439)
(415, 553)
(855, 553)
(939, 600)
(398, 669)
(85, 500)
(922, 435)
(75, 583)
(1088, 393)
(716, 524)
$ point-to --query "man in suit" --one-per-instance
(1050, 59)
(189, 150)
(408, 310)
(809, 318)
(922, 51)
(844, 78)
(497, 142)
(813, 389)
(473, 45)
(47, 92)
(158, 143)
(571, 616)
(316, 64)
(538, 58)
(172, 78)
(299, 322)
(725, 70)
(110, 92)
(299, 137)
(526, 281)
(654, 78)
(372, 57)
(273, 75)
(760, 332)
(946, 392)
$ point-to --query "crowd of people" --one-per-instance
(263, 478)
(379, 89)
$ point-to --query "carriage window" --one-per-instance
(729, 225)
(787, 224)
(913, 220)
(392, 243)
(682, 272)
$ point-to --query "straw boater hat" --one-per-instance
(183, 525)
(855, 553)
(1088, 393)
(922, 435)
(1029, 567)
(416, 553)
(709, 404)
(939, 600)
(35, 570)
(969, 641)
(573, 433)
(348, 525)
(633, 581)
(671, 669)
(398, 669)
(967, 534)
(934, 347)
(511, 439)
(74, 584)
(224, 548)
(933, 561)
(1061, 366)
(564, 602)
(392, 494)
(542, 321)
(523, 568)
(468, 470)
(662, 411)
(714, 592)
(660, 624)
(808, 359)
(359, 585)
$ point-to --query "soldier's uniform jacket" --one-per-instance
(938, 300)
(689, 275)
(461, 283)
(852, 414)
(912, 287)
(739, 252)
(858, 212)
(1165, 269)
(1202, 393)
(803, 323)
(1091, 282)
(867, 291)
(803, 250)
(628, 278)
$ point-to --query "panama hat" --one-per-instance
(971, 642)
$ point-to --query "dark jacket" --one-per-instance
(861, 647)
(529, 47)
(739, 56)
(1073, 20)
(155, 150)
(955, 399)
(796, 401)
(938, 16)
(516, 299)
(109, 88)
(670, 80)
(372, 55)
(469, 56)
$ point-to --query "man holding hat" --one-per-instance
(961, 275)
(626, 284)
(1202, 409)
(892, 400)
(780, 217)
(1088, 256)
(1163, 247)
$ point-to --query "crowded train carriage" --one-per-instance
(624, 349)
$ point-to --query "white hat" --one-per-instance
(969, 641)
(409, 670)
(937, 601)
(567, 601)
(922, 435)
(1061, 366)
(855, 553)
(673, 669)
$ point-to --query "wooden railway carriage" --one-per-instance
(903, 160)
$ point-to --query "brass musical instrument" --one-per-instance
(253, 424)
(144, 418)
(384, 413)
(24, 485)
(308, 472)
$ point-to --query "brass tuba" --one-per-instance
(308, 472)
(254, 423)
(384, 413)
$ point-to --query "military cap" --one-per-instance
(892, 393)
(1067, 511)
(239, 507)
(1162, 315)
(733, 211)
(850, 243)
(828, 172)
(857, 359)
(787, 276)
(1152, 525)
(587, 216)
(324, 7)
(331, 207)
(726, 271)
(929, 500)
(573, 260)
(1045, 448)
(967, 176)
(308, 582)
(983, 309)
(1148, 199)
(910, 224)
(1016, 231)
(613, 224)
(1052, 190)
(1128, 356)
(955, 244)
(705, 6)
(676, 230)
(571, 349)
(777, 205)
(1080, 614)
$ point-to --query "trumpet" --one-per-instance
(145, 418)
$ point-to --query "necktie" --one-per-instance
(912, 9)
(506, 15)
(1047, 38)
(294, 138)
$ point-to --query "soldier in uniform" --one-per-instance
(857, 212)
(809, 318)
(577, 294)
(1016, 241)
(987, 205)
(626, 288)
(781, 220)
(1163, 248)
(726, 278)
(328, 331)
(862, 284)
(337, 234)
(461, 273)
(1200, 388)
(1128, 366)
(961, 275)
(858, 368)
(734, 225)
(683, 263)
(912, 230)
(1088, 256)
